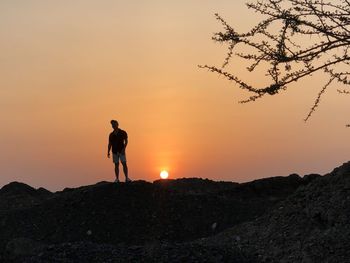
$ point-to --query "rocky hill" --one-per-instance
(311, 225)
(18, 195)
(278, 219)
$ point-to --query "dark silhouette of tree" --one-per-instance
(295, 39)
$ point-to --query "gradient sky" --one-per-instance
(68, 67)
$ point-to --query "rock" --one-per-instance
(17, 195)
(310, 177)
(22, 247)
(17, 188)
(341, 170)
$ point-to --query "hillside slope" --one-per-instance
(311, 225)
(159, 220)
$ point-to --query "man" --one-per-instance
(118, 140)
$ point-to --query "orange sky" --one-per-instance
(68, 67)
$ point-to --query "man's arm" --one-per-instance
(125, 141)
(109, 148)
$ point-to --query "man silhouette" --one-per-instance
(118, 140)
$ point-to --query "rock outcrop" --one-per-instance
(311, 225)
(278, 219)
(17, 195)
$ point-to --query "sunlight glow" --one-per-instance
(164, 174)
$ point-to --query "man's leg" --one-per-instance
(116, 170)
(116, 166)
(125, 169)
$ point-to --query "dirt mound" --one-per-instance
(17, 195)
(311, 225)
(170, 212)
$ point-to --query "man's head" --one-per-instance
(115, 124)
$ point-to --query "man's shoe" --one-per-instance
(127, 180)
(116, 180)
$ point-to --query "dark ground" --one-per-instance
(279, 219)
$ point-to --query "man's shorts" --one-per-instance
(119, 156)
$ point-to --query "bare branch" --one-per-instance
(284, 54)
(317, 101)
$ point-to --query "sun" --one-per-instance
(164, 174)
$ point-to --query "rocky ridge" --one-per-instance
(311, 225)
(279, 219)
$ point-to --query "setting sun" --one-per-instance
(164, 174)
